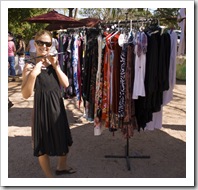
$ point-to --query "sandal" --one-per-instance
(62, 172)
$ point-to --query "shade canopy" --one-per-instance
(59, 26)
(51, 17)
(87, 22)
(90, 22)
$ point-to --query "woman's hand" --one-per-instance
(36, 70)
(52, 60)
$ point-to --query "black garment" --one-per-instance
(51, 131)
(145, 106)
(90, 67)
(164, 59)
(156, 77)
(68, 48)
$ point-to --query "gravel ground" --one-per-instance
(166, 146)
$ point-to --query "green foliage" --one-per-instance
(99, 13)
(181, 70)
(167, 17)
(18, 26)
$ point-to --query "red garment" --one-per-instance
(105, 94)
(111, 80)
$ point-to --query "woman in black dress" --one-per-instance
(50, 131)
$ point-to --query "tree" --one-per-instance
(71, 12)
(75, 12)
(93, 13)
(167, 17)
(68, 11)
(16, 24)
(110, 14)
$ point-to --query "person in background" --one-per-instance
(55, 35)
(55, 44)
(10, 104)
(11, 56)
(31, 48)
(50, 131)
(21, 47)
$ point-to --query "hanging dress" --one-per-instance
(51, 133)
(140, 65)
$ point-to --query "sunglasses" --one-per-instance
(41, 43)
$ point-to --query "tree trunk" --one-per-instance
(71, 12)
(76, 12)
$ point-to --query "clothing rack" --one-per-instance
(132, 21)
(127, 156)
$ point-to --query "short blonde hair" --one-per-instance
(42, 32)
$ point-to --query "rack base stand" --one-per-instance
(126, 156)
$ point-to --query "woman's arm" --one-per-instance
(30, 72)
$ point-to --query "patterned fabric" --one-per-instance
(141, 43)
(65, 61)
(94, 65)
(123, 59)
(138, 44)
(144, 42)
(70, 91)
(140, 66)
(79, 67)
(99, 80)
(129, 121)
(75, 66)
(105, 94)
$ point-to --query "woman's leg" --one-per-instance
(62, 166)
(45, 165)
(62, 163)
(11, 60)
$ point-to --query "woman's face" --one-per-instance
(43, 44)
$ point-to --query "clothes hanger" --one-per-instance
(109, 38)
(108, 34)
(42, 56)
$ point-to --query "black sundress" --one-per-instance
(51, 132)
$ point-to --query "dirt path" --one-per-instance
(166, 147)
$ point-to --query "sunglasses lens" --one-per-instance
(48, 44)
(41, 43)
